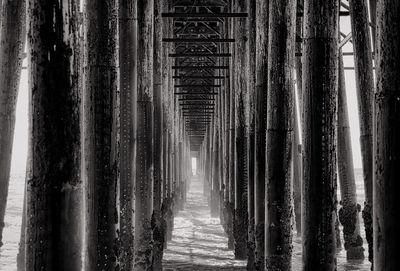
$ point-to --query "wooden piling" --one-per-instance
(278, 205)
(166, 128)
(145, 136)
(262, 9)
(215, 168)
(231, 134)
(128, 94)
(241, 129)
(101, 137)
(349, 211)
(158, 238)
(12, 43)
(386, 137)
(297, 147)
(54, 205)
(320, 64)
(365, 91)
(252, 146)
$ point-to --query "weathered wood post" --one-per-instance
(165, 69)
(171, 109)
(349, 212)
(228, 150)
(386, 137)
(262, 9)
(252, 146)
(320, 65)
(158, 236)
(128, 94)
(145, 134)
(297, 168)
(231, 133)
(215, 167)
(54, 187)
(297, 118)
(101, 137)
(365, 91)
(241, 128)
(12, 41)
(278, 192)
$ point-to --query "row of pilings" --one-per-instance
(109, 145)
(284, 134)
(108, 156)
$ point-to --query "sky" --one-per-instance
(20, 146)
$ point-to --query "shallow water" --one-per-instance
(198, 243)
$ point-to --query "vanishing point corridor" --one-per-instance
(290, 110)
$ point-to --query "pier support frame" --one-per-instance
(386, 137)
(54, 190)
(320, 65)
(12, 44)
(278, 190)
(242, 121)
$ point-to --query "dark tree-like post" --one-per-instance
(54, 186)
(12, 41)
(297, 118)
(215, 167)
(128, 94)
(320, 65)
(278, 192)
(297, 168)
(231, 147)
(386, 137)
(158, 238)
(145, 148)
(349, 212)
(241, 129)
(101, 108)
(262, 15)
(252, 146)
(166, 127)
(365, 91)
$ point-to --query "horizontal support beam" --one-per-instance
(203, 15)
(197, 40)
(197, 107)
(205, 114)
(198, 111)
(197, 77)
(204, 20)
(200, 67)
(200, 55)
(197, 104)
(196, 93)
(197, 86)
(204, 123)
